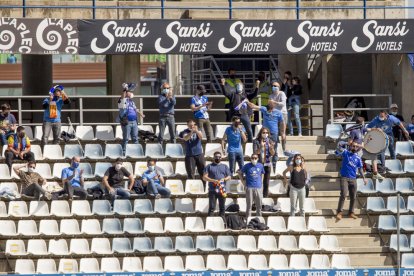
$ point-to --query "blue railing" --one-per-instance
(230, 7)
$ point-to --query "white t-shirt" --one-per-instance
(280, 97)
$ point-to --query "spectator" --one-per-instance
(287, 83)
(166, 103)
(265, 92)
(351, 162)
(52, 114)
(289, 163)
(194, 156)
(11, 59)
(154, 181)
(294, 105)
(271, 120)
(113, 181)
(238, 104)
(231, 83)
(396, 130)
(7, 123)
(216, 174)
(31, 181)
(254, 172)
(298, 176)
(265, 150)
(234, 136)
(72, 179)
(18, 147)
(410, 128)
(200, 106)
(128, 115)
(385, 122)
(279, 99)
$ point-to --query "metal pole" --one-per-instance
(19, 106)
(162, 9)
(141, 107)
(24, 8)
(332, 113)
(398, 234)
(298, 9)
(365, 9)
(81, 111)
(93, 9)
(230, 9)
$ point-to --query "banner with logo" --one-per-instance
(245, 36)
(38, 36)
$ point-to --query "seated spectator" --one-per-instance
(31, 181)
(7, 124)
(18, 148)
(410, 128)
(72, 179)
(154, 181)
(113, 181)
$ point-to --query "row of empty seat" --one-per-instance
(389, 223)
(176, 263)
(377, 204)
(49, 227)
(185, 244)
(386, 186)
(405, 245)
(61, 208)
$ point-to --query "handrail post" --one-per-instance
(230, 9)
(81, 111)
(162, 9)
(365, 8)
(19, 106)
(398, 233)
(141, 107)
(298, 9)
(24, 8)
(93, 9)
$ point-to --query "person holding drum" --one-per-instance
(383, 123)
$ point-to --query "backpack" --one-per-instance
(235, 222)
(138, 187)
(234, 207)
(255, 224)
(147, 136)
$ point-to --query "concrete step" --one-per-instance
(371, 260)
(306, 149)
(358, 240)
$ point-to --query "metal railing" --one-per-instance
(230, 7)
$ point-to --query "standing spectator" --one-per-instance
(113, 181)
(200, 106)
(11, 59)
(279, 98)
(214, 174)
(235, 136)
(72, 179)
(351, 162)
(271, 120)
(166, 103)
(154, 181)
(231, 83)
(287, 83)
(7, 124)
(410, 128)
(294, 105)
(254, 172)
(397, 131)
(31, 181)
(298, 176)
(128, 115)
(18, 147)
(385, 122)
(290, 163)
(264, 148)
(194, 156)
(51, 117)
(265, 92)
(238, 104)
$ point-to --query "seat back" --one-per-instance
(105, 133)
(113, 151)
(93, 151)
(85, 132)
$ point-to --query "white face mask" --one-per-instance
(118, 167)
(30, 170)
(381, 119)
(151, 168)
(254, 162)
(264, 136)
(239, 88)
(394, 113)
(298, 162)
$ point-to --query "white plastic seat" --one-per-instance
(180, 169)
(194, 263)
(89, 265)
(317, 224)
(194, 224)
(85, 133)
(276, 224)
(385, 186)
(409, 165)
(49, 228)
(174, 151)
(376, 204)
(122, 245)
(319, 261)
(24, 267)
(37, 151)
(18, 209)
(406, 223)
(205, 243)
(258, 262)
(288, 243)
(215, 224)
(39, 209)
(8, 228)
(248, 149)
(163, 244)
(310, 206)
(308, 243)
(68, 266)
(69, 227)
(340, 261)
(46, 266)
(123, 207)
(276, 187)
(163, 206)
(38, 133)
(154, 151)
(69, 151)
(44, 170)
(152, 264)
(284, 204)
(102, 208)
(15, 248)
(297, 224)
(404, 185)
(234, 187)
(153, 225)
(407, 260)
(175, 186)
(110, 265)
(143, 206)
(101, 246)
(184, 244)
(194, 187)
(140, 168)
(299, 261)
(173, 263)
(404, 148)
(131, 264)
(220, 130)
(93, 151)
(165, 168)
(81, 208)
(174, 225)
(278, 262)
(329, 243)
(267, 243)
(52, 152)
(201, 205)
(27, 228)
(211, 148)
(79, 247)
(132, 226)
(37, 247)
(105, 133)
(142, 244)
(29, 132)
(91, 227)
(112, 226)
(166, 132)
(60, 208)
(4, 172)
(216, 262)
(237, 262)
(395, 166)
(58, 247)
(113, 151)
(247, 243)
(57, 169)
(392, 205)
(184, 205)
(134, 151)
(333, 131)
(365, 188)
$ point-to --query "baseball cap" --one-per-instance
(394, 105)
(201, 88)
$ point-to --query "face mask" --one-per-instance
(275, 89)
(394, 113)
(239, 88)
(381, 119)
(30, 170)
(165, 91)
(75, 165)
(21, 135)
(298, 162)
(118, 167)
(254, 162)
(217, 160)
(151, 168)
(264, 136)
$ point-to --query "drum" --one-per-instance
(375, 141)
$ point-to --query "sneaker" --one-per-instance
(352, 215)
(339, 216)
(378, 176)
(157, 196)
(48, 196)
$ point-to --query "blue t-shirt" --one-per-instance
(271, 119)
(351, 162)
(148, 175)
(410, 128)
(193, 145)
(234, 139)
(53, 110)
(253, 175)
(68, 172)
(202, 112)
(357, 135)
(130, 110)
(7, 120)
(216, 171)
(385, 125)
